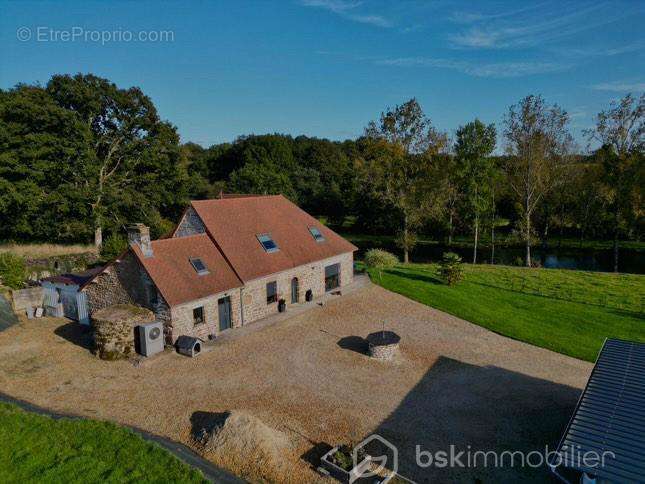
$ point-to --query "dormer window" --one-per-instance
(199, 266)
(315, 233)
(268, 243)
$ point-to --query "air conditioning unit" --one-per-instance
(150, 338)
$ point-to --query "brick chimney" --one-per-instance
(139, 234)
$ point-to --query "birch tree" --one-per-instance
(620, 130)
(475, 143)
(537, 143)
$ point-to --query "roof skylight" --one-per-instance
(199, 266)
(315, 232)
(268, 243)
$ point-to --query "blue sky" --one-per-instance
(326, 67)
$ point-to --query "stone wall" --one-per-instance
(310, 276)
(125, 281)
(113, 330)
(182, 316)
(38, 268)
(190, 224)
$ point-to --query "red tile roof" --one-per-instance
(234, 224)
(174, 275)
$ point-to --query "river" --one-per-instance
(630, 260)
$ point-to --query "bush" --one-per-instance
(380, 259)
(13, 270)
(113, 246)
(450, 268)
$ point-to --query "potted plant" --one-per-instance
(339, 462)
(282, 305)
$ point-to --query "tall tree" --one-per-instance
(474, 145)
(620, 130)
(403, 142)
(125, 130)
(538, 143)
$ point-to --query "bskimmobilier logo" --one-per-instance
(374, 457)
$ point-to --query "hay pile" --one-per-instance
(253, 450)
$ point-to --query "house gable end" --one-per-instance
(190, 224)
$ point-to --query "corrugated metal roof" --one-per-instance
(610, 417)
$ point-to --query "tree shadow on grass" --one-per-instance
(415, 276)
(77, 334)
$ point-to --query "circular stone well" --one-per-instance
(383, 344)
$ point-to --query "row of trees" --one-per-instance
(541, 175)
(80, 157)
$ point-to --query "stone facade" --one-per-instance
(190, 224)
(310, 276)
(126, 282)
(183, 321)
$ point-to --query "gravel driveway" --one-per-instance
(454, 383)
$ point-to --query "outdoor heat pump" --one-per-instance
(150, 338)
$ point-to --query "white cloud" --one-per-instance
(347, 9)
(620, 86)
(602, 51)
(473, 17)
(519, 29)
(498, 70)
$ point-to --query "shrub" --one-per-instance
(380, 259)
(113, 246)
(450, 268)
(13, 270)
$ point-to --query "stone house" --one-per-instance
(228, 263)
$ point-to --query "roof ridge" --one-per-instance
(240, 197)
(191, 236)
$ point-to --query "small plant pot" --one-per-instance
(282, 305)
(340, 474)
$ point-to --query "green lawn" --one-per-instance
(570, 312)
(34, 448)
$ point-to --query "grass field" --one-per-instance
(570, 312)
(35, 448)
(41, 251)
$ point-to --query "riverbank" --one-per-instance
(559, 253)
(570, 312)
(501, 241)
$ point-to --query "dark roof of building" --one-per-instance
(610, 416)
(236, 223)
(175, 276)
(74, 279)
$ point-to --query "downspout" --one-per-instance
(241, 306)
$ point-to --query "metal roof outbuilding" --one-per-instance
(609, 420)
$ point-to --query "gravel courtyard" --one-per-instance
(453, 384)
